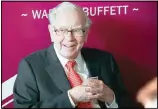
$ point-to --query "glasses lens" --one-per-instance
(78, 32)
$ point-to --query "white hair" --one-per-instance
(66, 6)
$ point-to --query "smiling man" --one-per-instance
(59, 76)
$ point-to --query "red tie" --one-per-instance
(75, 80)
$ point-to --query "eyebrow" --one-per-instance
(76, 27)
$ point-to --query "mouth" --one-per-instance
(68, 46)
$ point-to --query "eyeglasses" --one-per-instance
(64, 32)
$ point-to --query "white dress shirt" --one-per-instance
(83, 72)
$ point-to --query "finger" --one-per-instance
(104, 87)
(92, 90)
(88, 96)
(89, 82)
(96, 96)
(99, 84)
(85, 97)
(91, 79)
(88, 89)
(93, 83)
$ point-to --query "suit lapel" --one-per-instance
(56, 71)
(93, 67)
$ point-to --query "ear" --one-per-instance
(50, 31)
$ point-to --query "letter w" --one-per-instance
(36, 14)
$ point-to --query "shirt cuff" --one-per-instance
(112, 105)
(71, 101)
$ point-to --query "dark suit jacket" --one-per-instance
(42, 82)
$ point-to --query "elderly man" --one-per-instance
(61, 75)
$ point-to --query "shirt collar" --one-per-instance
(78, 59)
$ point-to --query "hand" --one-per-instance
(79, 94)
(99, 90)
(148, 92)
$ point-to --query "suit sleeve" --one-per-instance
(122, 97)
(27, 95)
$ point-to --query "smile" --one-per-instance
(69, 46)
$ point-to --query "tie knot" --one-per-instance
(71, 64)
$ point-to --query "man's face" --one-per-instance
(69, 43)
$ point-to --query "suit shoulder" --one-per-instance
(96, 52)
(36, 55)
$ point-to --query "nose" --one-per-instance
(69, 36)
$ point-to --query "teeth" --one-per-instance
(68, 46)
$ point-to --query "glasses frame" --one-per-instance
(67, 31)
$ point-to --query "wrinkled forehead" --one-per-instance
(70, 19)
